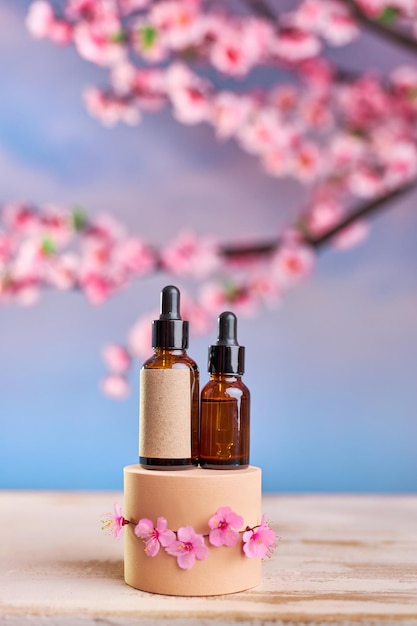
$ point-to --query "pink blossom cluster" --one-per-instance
(187, 546)
(104, 31)
(243, 287)
(308, 128)
(345, 136)
(57, 248)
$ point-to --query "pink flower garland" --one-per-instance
(186, 545)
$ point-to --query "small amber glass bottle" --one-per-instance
(169, 393)
(225, 403)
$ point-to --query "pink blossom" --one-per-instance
(306, 162)
(128, 6)
(351, 235)
(110, 109)
(316, 113)
(191, 105)
(200, 319)
(154, 537)
(96, 286)
(140, 336)
(20, 217)
(100, 41)
(55, 223)
(276, 162)
(108, 228)
(134, 256)
(316, 72)
(27, 295)
(330, 19)
(115, 386)
(97, 252)
(365, 182)
(295, 45)
(117, 358)
(404, 78)
(188, 547)
(188, 94)
(239, 47)
(28, 262)
(347, 149)
(42, 23)
(215, 297)
(115, 522)
(258, 542)
(322, 216)
(265, 287)
(364, 102)
(62, 271)
(292, 263)
(229, 112)
(284, 98)
(146, 86)
(40, 18)
(191, 255)
(7, 246)
(265, 131)
(339, 28)
(401, 161)
(224, 526)
(309, 15)
(178, 23)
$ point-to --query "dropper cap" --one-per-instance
(170, 331)
(227, 356)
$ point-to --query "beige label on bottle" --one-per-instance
(165, 414)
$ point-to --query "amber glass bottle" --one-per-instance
(225, 403)
(169, 393)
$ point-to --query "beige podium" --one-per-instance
(189, 498)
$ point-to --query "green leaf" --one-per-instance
(148, 35)
(388, 16)
(48, 246)
(79, 219)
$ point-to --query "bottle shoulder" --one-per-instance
(225, 386)
(170, 360)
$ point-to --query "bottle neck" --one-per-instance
(162, 351)
(221, 376)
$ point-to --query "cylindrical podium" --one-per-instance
(190, 498)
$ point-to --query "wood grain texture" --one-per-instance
(341, 560)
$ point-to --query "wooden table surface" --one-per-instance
(342, 559)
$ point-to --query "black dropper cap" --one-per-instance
(170, 331)
(226, 357)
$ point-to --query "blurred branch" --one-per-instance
(379, 28)
(261, 8)
(317, 242)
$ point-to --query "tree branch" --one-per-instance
(259, 7)
(317, 242)
(395, 36)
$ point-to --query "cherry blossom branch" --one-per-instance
(365, 211)
(268, 247)
(379, 28)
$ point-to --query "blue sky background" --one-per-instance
(332, 372)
